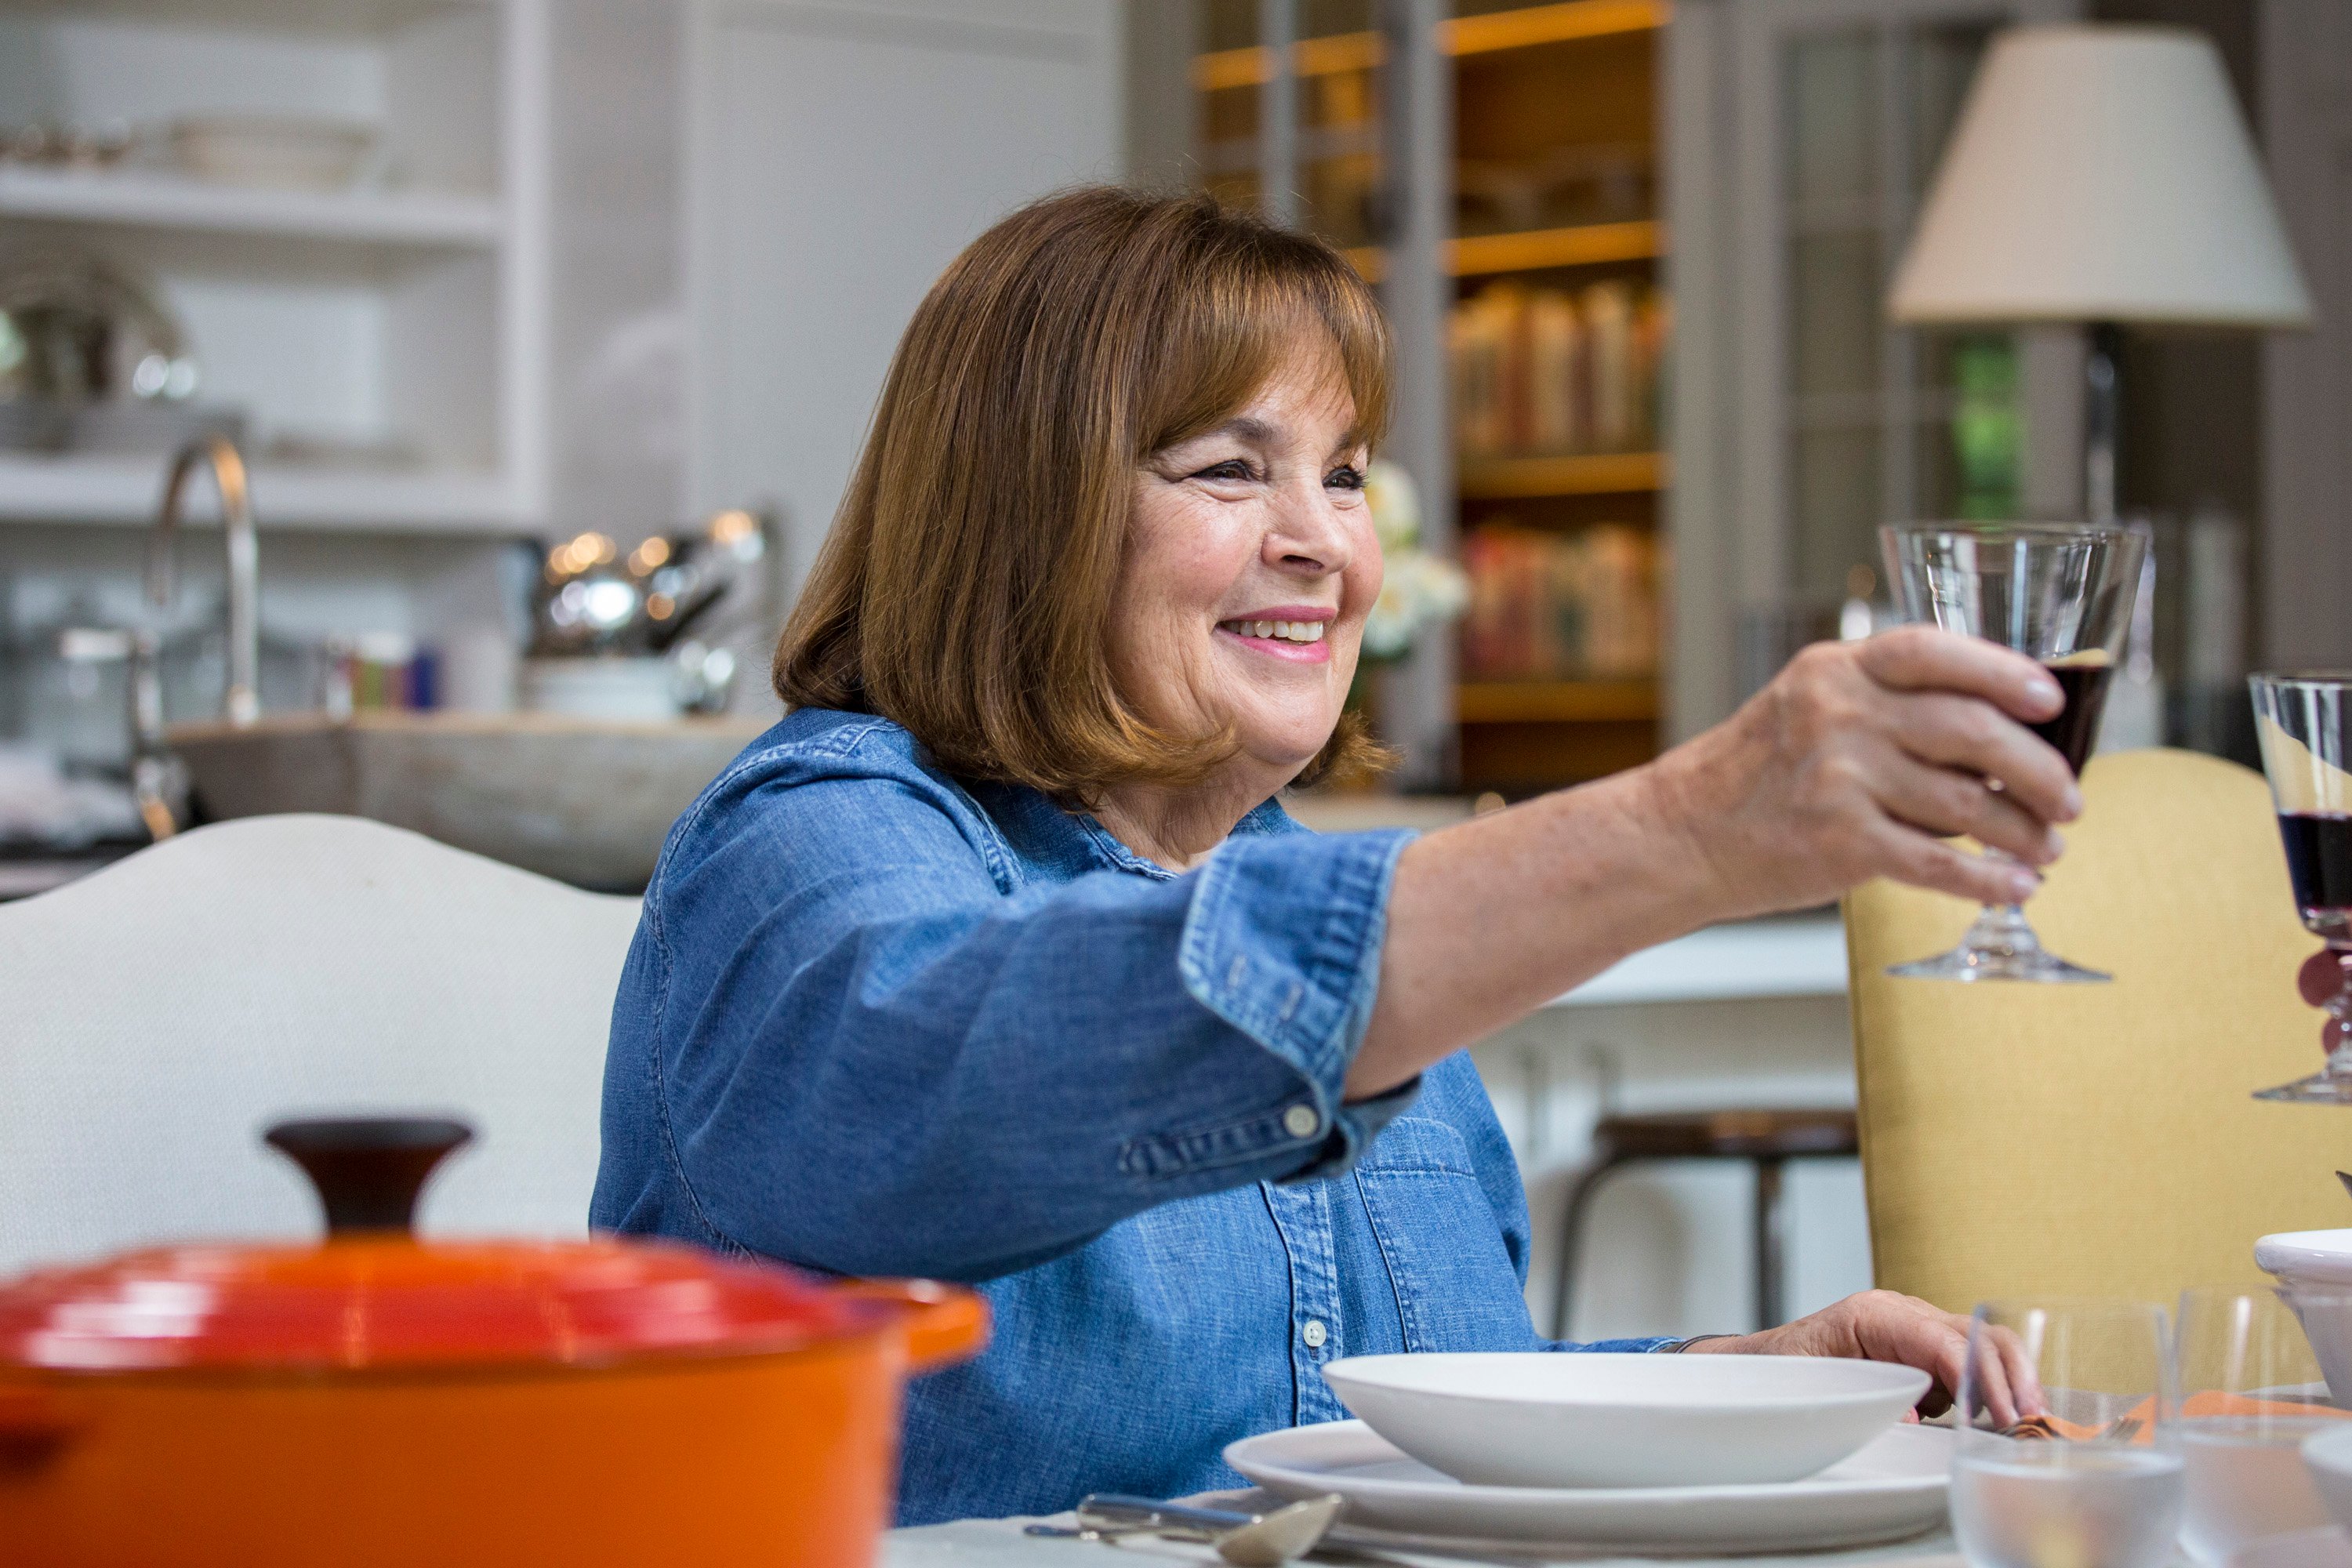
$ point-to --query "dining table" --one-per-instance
(1006, 1544)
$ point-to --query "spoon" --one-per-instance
(1253, 1540)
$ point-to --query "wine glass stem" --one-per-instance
(2337, 1034)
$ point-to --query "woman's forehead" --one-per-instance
(1299, 396)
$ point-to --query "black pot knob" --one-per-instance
(368, 1169)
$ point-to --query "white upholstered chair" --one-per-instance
(153, 1018)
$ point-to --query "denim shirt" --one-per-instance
(876, 1021)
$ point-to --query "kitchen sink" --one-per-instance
(586, 800)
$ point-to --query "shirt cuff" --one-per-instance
(1282, 941)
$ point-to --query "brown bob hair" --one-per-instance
(965, 588)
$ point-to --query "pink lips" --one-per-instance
(1318, 652)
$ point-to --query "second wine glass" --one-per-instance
(2058, 593)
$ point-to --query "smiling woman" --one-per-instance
(1149, 337)
(999, 960)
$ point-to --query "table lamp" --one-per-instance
(2100, 175)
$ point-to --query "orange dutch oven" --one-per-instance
(378, 1400)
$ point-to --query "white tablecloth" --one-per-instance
(999, 1543)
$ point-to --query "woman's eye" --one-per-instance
(1232, 468)
(1347, 477)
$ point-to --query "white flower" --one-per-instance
(1395, 503)
(1417, 589)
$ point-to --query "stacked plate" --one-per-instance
(1649, 1453)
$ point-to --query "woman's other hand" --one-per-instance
(1861, 758)
(1880, 1325)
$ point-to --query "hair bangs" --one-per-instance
(1252, 304)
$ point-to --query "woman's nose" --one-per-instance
(1308, 531)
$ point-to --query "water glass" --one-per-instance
(2065, 1451)
(2251, 1392)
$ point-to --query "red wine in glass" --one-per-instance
(2082, 678)
(2320, 863)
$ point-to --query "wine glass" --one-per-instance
(2065, 1450)
(2305, 723)
(2251, 1392)
(2060, 593)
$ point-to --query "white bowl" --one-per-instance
(2314, 1269)
(2321, 1258)
(1594, 1419)
(640, 688)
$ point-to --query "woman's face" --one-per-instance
(1251, 563)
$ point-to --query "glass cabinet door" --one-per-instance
(1881, 423)
(1804, 419)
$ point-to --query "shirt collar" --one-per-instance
(1074, 842)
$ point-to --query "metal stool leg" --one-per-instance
(1571, 1236)
(1771, 1243)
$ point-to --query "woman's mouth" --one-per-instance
(1300, 641)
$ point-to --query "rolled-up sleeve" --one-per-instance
(1283, 942)
(869, 1051)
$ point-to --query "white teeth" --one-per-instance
(1285, 631)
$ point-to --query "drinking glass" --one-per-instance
(2060, 593)
(2251, 1392)
(2065, 1452)
(2305, 723)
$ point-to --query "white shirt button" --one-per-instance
(1301, 1122)
(1314, 1334)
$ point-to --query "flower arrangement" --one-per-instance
(1418, 589)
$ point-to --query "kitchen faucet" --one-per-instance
(241, 699)
(158, 782)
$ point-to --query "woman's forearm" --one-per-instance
(1859, 760)
(1493, 918)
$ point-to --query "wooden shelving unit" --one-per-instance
(1588, 474)
(1554, 143)
(1522, 27)
(1557, 702)
(1537, 250)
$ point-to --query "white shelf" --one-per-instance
(1804, 956)
(358, 19)
(156, 201)
(35, 489)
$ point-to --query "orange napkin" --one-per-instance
(2141, 1415)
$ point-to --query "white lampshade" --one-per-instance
(2100, 174)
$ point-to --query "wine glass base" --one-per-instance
(2319, 1088)
(2037, 965)
(2000, 946)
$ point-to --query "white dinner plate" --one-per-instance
(1894, 1488)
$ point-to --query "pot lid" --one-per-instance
(373, 1296)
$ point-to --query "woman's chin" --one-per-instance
(1287, 750)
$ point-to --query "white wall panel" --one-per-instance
(842, 156)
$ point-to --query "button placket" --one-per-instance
(1302, 1216)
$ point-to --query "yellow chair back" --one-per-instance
(2099, 1139)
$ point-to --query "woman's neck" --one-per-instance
(1178, 827)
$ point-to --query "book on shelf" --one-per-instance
(1545, 371)
(1554, 606)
